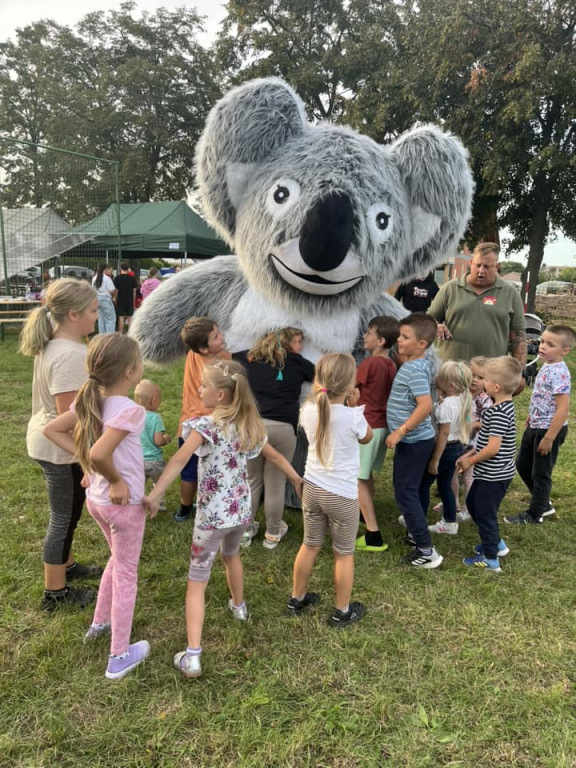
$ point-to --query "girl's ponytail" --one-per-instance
(36, 333)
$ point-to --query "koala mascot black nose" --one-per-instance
(327, 233)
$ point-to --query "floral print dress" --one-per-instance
(223, 499)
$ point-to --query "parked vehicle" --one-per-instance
(74, 271)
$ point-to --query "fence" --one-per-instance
(45, 193)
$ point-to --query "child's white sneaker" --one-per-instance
(402, 521)
(270, 541)
(240, 612)
(250, 533)
(463, 515)
(443, 527)
(188, 664)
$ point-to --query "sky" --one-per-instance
(19, 13)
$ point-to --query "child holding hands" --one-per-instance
(106, 439)
(223, 440)
(452, 415)
(330, 496)
(493, 461)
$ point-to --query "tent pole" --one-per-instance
(117, 191)
(185, 258)
(4, 259)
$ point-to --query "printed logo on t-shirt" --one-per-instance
(490, 300)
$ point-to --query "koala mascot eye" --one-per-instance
(282, 195)
(380, 222)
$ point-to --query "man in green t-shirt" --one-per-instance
(479, 313)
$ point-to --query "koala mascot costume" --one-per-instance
(321, 219)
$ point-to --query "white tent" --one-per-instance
(31, 236)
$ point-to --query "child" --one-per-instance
(205, 346)
(493, 461)
(154, 436)
(276, 372)
(408, 413)
(546, 425)
(452, 416)
(223, 440)
(480, 404)
(330, 497)
(54, 335)
(107, 427)
(374, 379)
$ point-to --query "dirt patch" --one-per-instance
(559, 307)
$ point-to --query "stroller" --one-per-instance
(534, 328)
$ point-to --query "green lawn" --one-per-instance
(448, 668)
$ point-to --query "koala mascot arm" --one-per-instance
(322, 221)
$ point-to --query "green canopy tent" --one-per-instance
(171, 229)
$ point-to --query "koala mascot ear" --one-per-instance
(242, 130)
(434, 167)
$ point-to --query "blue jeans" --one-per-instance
(446, 469)
(483, 502)
(536, 470)
(106, 315)
(410, 462)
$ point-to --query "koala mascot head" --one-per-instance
(321, 219)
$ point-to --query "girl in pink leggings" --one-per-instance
(106, 439)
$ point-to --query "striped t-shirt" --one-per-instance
(411, 381)
(499, 421)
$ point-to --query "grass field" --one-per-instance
(448, 668)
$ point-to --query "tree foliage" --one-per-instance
(127, 88)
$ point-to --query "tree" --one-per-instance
(511, 266)
(136, 90)
(323, 48)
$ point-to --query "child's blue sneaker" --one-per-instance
(503, 549)
(479, 561)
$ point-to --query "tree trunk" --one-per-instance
(538, 234)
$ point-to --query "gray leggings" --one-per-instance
(66, 497)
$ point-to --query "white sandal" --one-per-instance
(270, 541)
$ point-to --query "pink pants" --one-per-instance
(123, 528)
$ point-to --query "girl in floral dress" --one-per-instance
(223, 441)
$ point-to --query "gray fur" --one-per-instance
(277, 188)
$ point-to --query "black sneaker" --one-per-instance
(184, 513)
(522, 519)
(409, 539)
(295, 607)
(353, 614)
(80, 571)
(420, 560)
(76, 597)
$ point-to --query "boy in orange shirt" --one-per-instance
(205, 345)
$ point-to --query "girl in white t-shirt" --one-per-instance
(106, 427)
(106, 291)
(54, 336)
(452, 416)
(330, 495)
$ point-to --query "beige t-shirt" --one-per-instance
(59, 368)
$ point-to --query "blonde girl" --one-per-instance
(54, 336)
(232, 433)
(330, 495)
(452, 415)
(106, 426)
(276, 372)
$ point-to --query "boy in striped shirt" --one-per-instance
(493, 461)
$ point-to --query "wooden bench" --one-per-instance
(15, 313)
